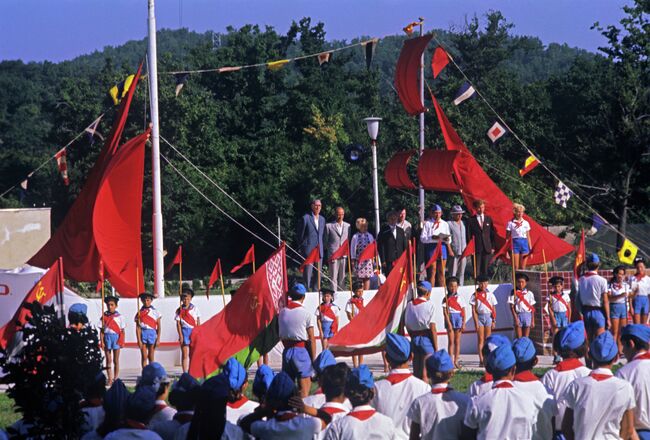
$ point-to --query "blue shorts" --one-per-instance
(430, 248)
(520, 246)
(148, 336)
(485, 320)
(456, 320)
(644, 434)
(561, 319)
(640, 304)
(594, 319)
(422, 345)
(525, 319)
(617, 311)
(558, 435)
(110, 341)
(327, 329)
(187, 333)
(297, 363)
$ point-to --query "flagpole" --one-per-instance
(421, 152)
(223, 291)
(61, 288)
(253, 258)
(158, 257)
(512, 261)
(474, 258)
(137, 280)
(180, 277)
(350, 269)
(545, 265)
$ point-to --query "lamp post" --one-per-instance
(373, 131)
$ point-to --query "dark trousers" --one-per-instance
(482, 263)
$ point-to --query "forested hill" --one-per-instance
(275, 138)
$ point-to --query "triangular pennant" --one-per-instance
(465, 92)
(62, 164)
(439, 61)
(370, 51)
(181, 79)
(529, 165)
(276, 65)
(229, 69)
(92, 131)
(324, 58)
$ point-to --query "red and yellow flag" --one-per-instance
(530, 164)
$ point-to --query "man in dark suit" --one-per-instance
(481, 228)
(311, 229)
(392, 243)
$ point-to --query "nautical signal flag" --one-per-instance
(439, 61)
(119, 91)
(313, 257)
(581, 255)
(465, 92)
(496, 132)
(92, 130)
(370, 51)
(324, 58)
(62, 164)
(214, 276)
(249, 258)
(562, 194)
(276, 65)
(529, 165)
(627, 253)
(408, 29)
(181, 79)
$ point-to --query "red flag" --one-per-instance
(178, 259)
(100, 282)
(227, 334)
(248, 259)
(216, 274)
(439, 61)
(62, 163)
(341, 252)
(581, 252)
(503, 250)
(470, 249)
(49, 285)
(436, 254)
(313, 257)
(369, 252)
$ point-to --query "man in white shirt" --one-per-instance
(484, 384)
(593, 299)
(395, 393)
(419, 320)
(522, 305)
(636, 345)
(296, 330)
(600, 405)
(436, 229)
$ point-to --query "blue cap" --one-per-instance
(282, 387)
(501, 358)
(494, 341)
(436, 207)
(217, 387)
(115, 400)
(361, 376)
(298, 289)
(185, 384)
(263, 379)
(440, 361)
(603, 348)
(425, 285)
(235, 373)
(524, 349)
(572, 336)
(323, 360)
(140, 405)
(78, 308)
(641, 331)
(153, 374)
(593, 258)
(398, 348)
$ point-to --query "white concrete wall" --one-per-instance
(22, 233)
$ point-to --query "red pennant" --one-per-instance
(216, 274)
(369, 252)
(313, 257)
(248, 259)
(62, 164)
(178, 259)
(341, 252)
(439, 61)
(580, 255)
(436, 254)
(470, 249)
(503, 251)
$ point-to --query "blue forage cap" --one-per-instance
(185, 384)
(436, 207)
(398, 348)
(440, 361)
(494, 341)
(641, 331)
(217, 387)
(501, 358)
(282, 387)
(361, 376)
(603, 348)
(323, 360)
(299, 289)
(425, 285)
(593, 258)
(235, 373)
(524, 349)
(263, 379)
(572, 336)
(115, 401)
(140, 405)
(153, 374)
(78, 308)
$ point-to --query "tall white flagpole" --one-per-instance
(158, 263)
(421, 190)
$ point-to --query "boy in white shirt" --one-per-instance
(237, 404)
(147, 329)
(263, 378)
(435, 229)
(454, 308)
(522, 305)
(439, 414)
(327, 317)
(395, 393)
(560, 310)
(155, 376)
(352, 309)
(296, 329)
(484, 384)
(600, 405)
(483, 313)
(636, 345)
(419, 320)
(322, 361)
(593, 300)
(112, 330)
(187, 317)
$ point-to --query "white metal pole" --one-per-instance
(421, 191)
(375, 186)
(158, 263)
(279, 239)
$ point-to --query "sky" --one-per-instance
(56, 30)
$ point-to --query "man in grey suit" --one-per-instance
(458, 243)
(310, 233)
(336, 233)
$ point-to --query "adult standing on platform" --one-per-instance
(593, 299)
(434, 230)
(481, 227)
(311, 230)
(404, 224)
(458, 243)
(391, 242)
(361, 240)
(336, 233)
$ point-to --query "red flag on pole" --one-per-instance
(214, 277)
(313, 257)
(503, 250)
(436, 254)
(248, 259)
(47, 287)
(178, 259)
(341, 252)
(439, 61)
(368, 253)
(581, 252)
(62, 164)
(470, 249)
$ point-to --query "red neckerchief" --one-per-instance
(135, 425)
(518, 224)
(291, 304)
(284, 417)
(159, 407)
(601, 376)
(568, 364)
(395, 378)
(452, 301)
(503, 384)
(95, 402)
(522, 298)
(639, 277)
(358, 302)
(440, 389)
(238, 403)
(642, 356)
(183, 418)
(482, 296)
(331, 410)
(362, 414)
(487, 377)
(436, 224)
(144, 318)
(418, 301)
(184, 314)
(526, 376)
(590, 274)
(558, 297)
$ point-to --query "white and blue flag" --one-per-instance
(465, 92)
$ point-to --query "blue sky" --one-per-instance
(55, 30)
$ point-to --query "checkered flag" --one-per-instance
(562, 194)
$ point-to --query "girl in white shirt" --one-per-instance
(617, 294)
(519, 229)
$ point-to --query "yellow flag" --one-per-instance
(119, 91)
(275, 65)
(628, 252)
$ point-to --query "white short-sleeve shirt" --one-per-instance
(637, 373)
(480, 386)
(193, 312)
(356, 426)
(439, 412)
(419, 314)
(545, 405)
(520, 306)
(239, 409)
(518, 228)
(558, 379)
(591, 288)
(616, 289)
(352, 308)
(432, 230)
(641, 286)
(333, 307)
(556, 304)
(117, 318)
(480, 307)
(451, 308)
(294, 322)
(152, 312)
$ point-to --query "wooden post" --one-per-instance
(223, 291)
(475, 282)
(253, 263)
(350, 270)
(180, 278)
(318, 268)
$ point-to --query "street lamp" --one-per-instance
(373, 132)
